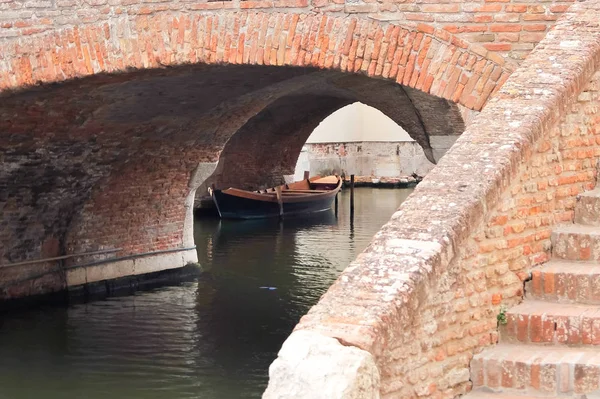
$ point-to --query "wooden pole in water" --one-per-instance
(336, 205)
(352, 196)
(279, 200)
(306, 174)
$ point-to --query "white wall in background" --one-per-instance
(357, 122)
(361, 140)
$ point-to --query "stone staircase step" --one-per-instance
(552, 323)
(576, 242)
(488, 394)
(565, 282)
(587, 210)
(537, 369)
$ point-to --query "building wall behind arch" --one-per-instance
(361, 140)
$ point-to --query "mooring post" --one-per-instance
(351, 196)
(279, 200)
(306, 174)
(336, 205)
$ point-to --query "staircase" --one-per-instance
(550, 344)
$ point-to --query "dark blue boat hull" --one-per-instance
(234, 207)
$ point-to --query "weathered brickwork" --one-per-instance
(492, 264)
(422, 57)
(510, 28)
(72, 183)
(548, 343)
(423, 298)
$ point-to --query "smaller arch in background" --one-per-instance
(361, 140)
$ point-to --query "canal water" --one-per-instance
(213, 337)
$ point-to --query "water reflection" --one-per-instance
(210, 338)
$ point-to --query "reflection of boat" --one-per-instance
(271, 226)
(305, 196)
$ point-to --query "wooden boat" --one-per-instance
(306, 196)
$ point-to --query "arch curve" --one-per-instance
(421, 57)
(286, 117)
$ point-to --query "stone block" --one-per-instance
(535, 368)
(587, 209)
(576, 242)
(157, 262)
(553, 323)
(76, 276)
(110, 270)
(313, 366)
(565, 282)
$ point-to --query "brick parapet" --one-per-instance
(510, 28)
(423, 297)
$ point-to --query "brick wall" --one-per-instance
(72, 183)
(423, 297)
(458, 316)
(421, 57)
(510, 28)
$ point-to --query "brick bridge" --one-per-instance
(114, 113)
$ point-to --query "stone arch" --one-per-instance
(421, 57)
(276, 136)
(125, 146)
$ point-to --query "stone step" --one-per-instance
(565, 282)
(483, 393)
(552, 323)
(587, 209)
(576, 242)
(537, 369)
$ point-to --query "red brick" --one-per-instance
(482, 18)
(549, 287)
(498, 46)
(559, 8)
(443, 8)
(515, 8)
(532, 37)
(535, 375)
(508, 374)
(535, 329)
(534, 27)
(547, 329)
(493, 370)
(586, 379)
(523, 328)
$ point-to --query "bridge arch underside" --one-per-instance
(112, 162)
(266, 148)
